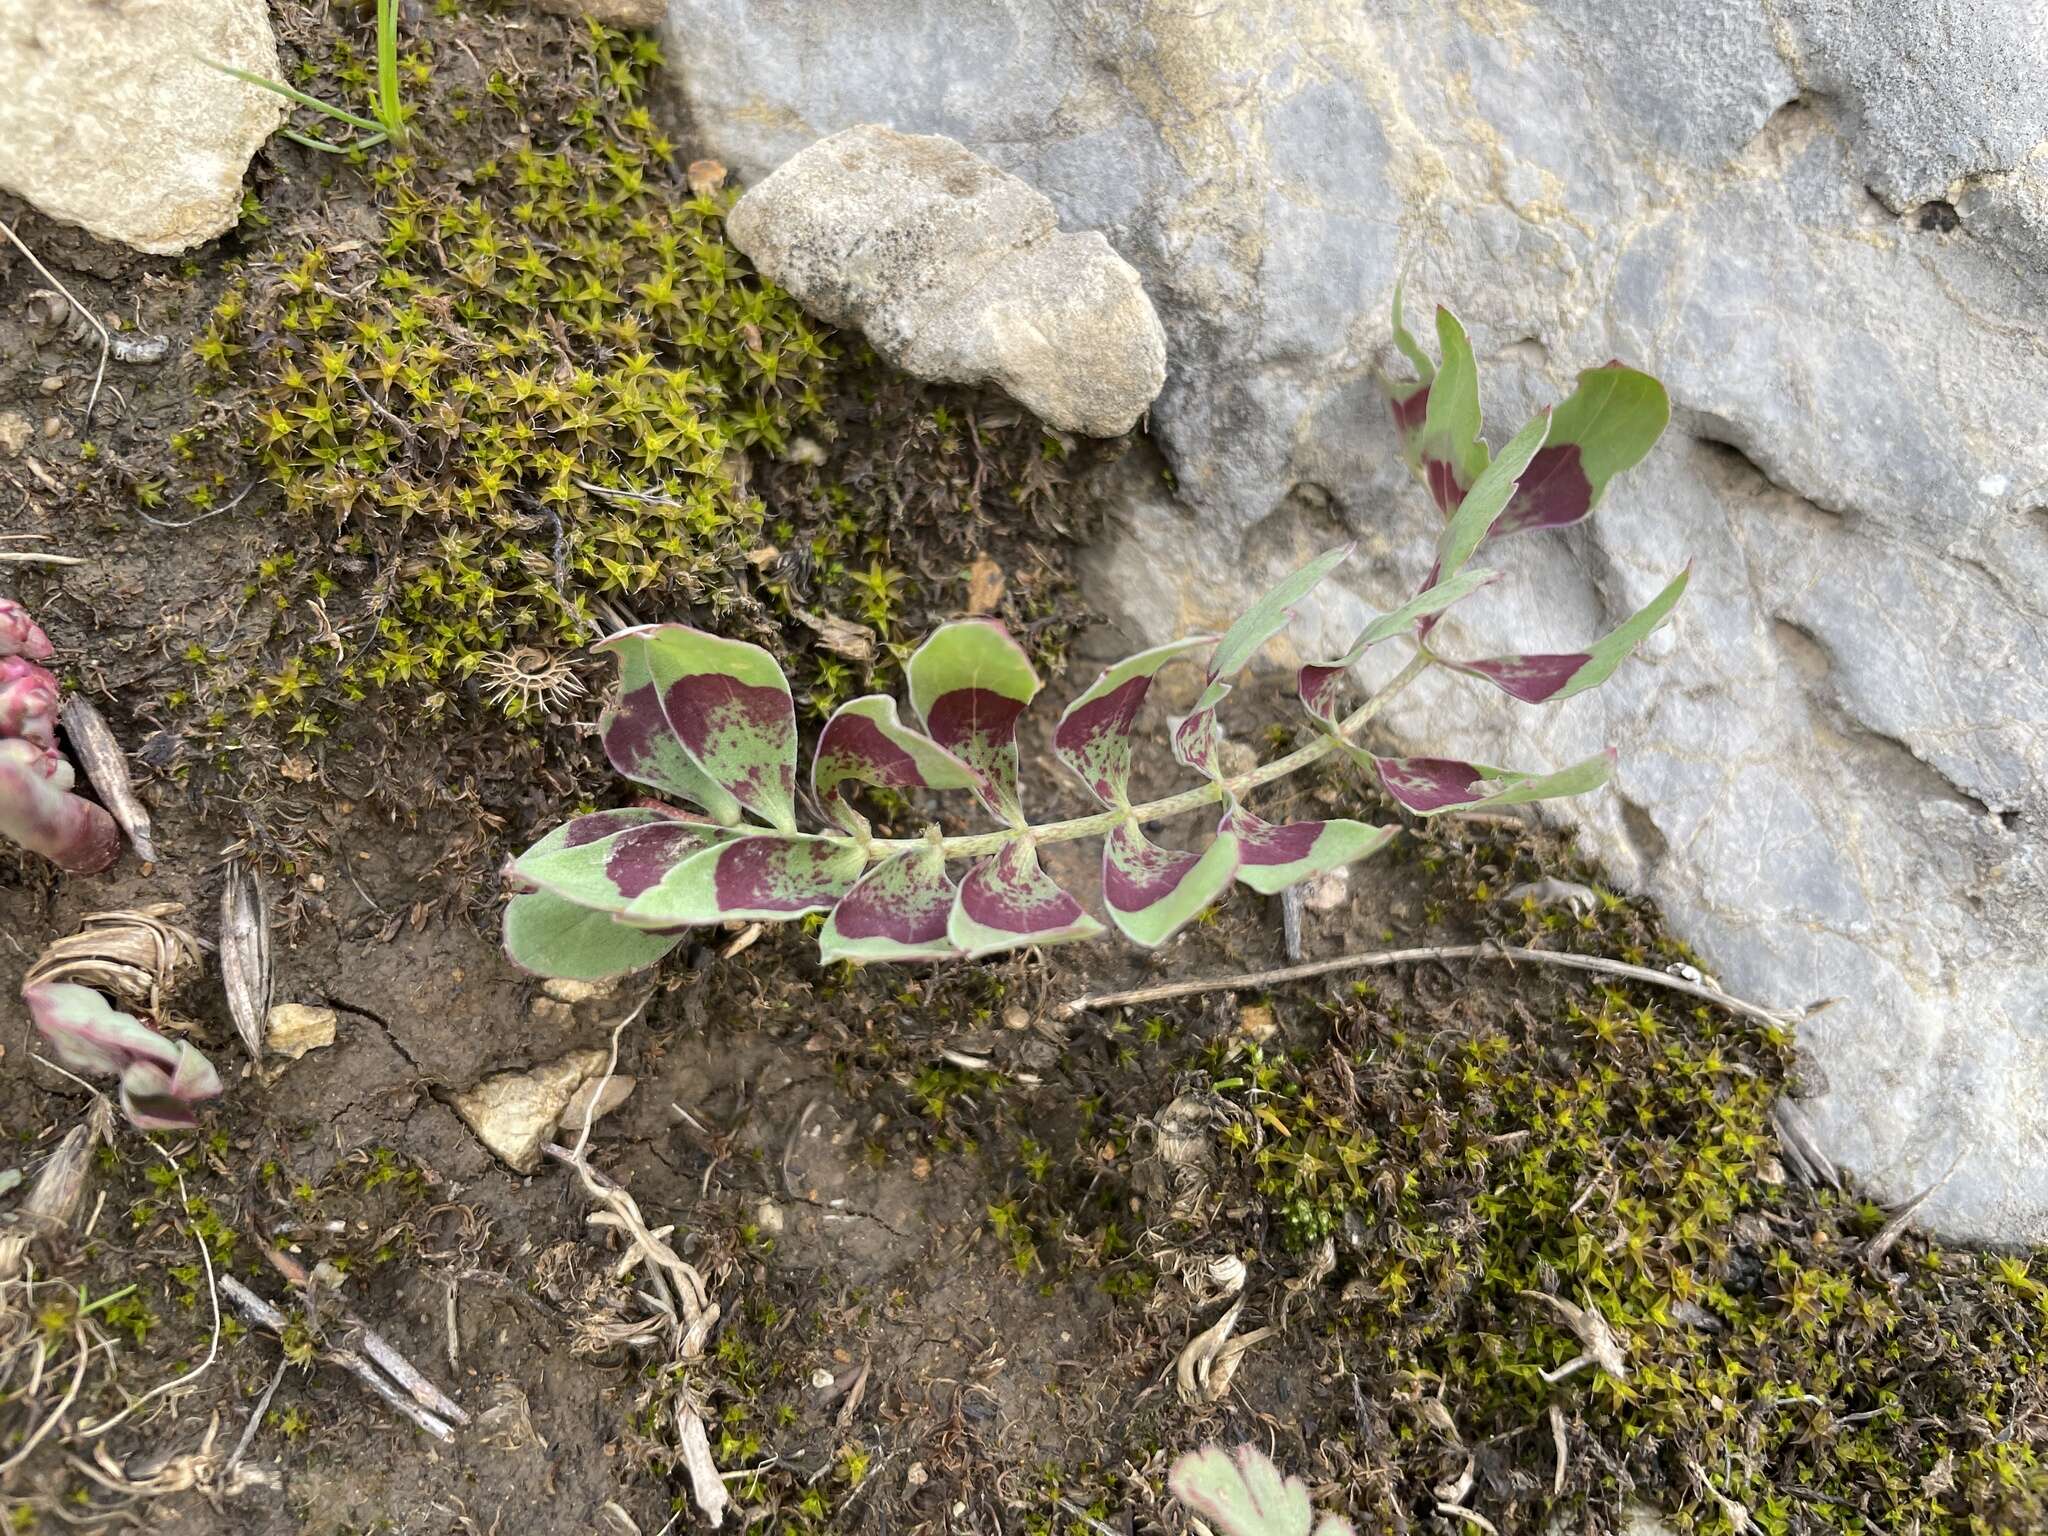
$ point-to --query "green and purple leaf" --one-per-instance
(1242, 1493)
(968, 684)
(1007, 902)
(1429, 785)
(1446, 449)
(1489, 493)
(866, 742)
(161, 1080)
(1153, 892)
(764, 876)
(547, 936)
(607, 858)
(1409, 399)
(1272, 857)
(1093, 737)
(1194, 738)
(705, 719)
(898, 910)
(1318, 682)
(1547, 678)
(1607, 425)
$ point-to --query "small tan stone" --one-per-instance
(564, 990)
(613, 13)
(16, 433)
(514, 1113)
(292, 1029)
(587, 1098)
(1256, 1023)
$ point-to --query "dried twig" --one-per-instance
(264, 1315)
(1598, 1341)
(377, 1347)
(255, 1420)
(1380, 959)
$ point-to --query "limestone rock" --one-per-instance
(296, 1028)
(111, 120)
(1834, 764)
(956, 271)
(635, 14)
(514, 1113)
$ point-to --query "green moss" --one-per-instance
(491, 399)
(1615, 1150)
(530, 402)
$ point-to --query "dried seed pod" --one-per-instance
(106, 767)
(135, 956)
(59, 1190)
(245, 953)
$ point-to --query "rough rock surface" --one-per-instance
(615, 13)
(296, 1028)
(109, 118)
(956, 271)
(514, 1113)
(1826, 227)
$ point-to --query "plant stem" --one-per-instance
(978, 844)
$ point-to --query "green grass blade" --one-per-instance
(370, 141)
(279, 88)
(388, 107)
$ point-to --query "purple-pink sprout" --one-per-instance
(162, 1081)
(20, 635)
(37, 808)
(28, 701)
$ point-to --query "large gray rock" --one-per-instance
(110, 119)
(1834, 764)
(956, 271)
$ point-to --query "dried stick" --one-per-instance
(1380, 959)
(264, 1315)
(378, 1348)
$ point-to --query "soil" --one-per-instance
(954, 1255)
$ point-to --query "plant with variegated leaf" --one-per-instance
(710, 721)
(1241, 1493)
(162, 1081)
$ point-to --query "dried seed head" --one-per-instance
(245, 953)
(135, 956)
(53, 1200)
(530, 676)
(106, 768)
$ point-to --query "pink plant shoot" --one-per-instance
(710, 722)
(37, 808)
(20, 635)
(162, 1081)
